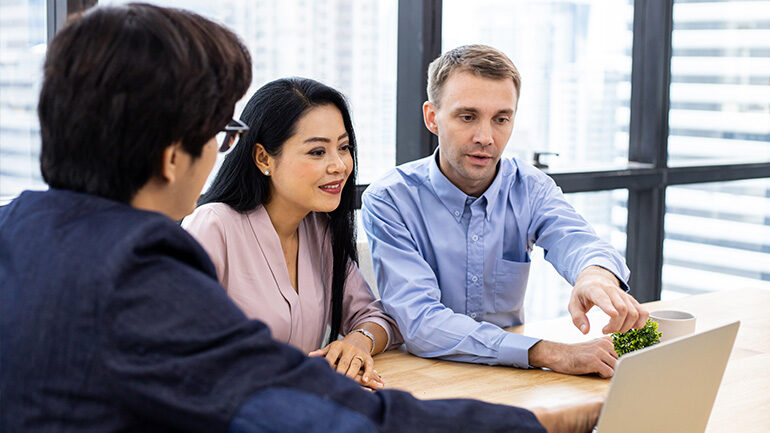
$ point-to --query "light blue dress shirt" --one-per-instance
(452, 269)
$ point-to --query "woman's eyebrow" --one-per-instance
(324, 139)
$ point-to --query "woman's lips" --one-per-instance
(332, 188)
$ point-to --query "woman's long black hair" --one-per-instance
(272, 115)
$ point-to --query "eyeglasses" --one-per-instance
(232, 134)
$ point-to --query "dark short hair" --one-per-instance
(272, 115)
(122, 83)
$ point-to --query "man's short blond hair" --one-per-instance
(481, 60)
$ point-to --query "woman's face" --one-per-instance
(314, 163)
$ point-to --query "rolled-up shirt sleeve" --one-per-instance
(410, 294)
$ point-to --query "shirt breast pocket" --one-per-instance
(510, 285)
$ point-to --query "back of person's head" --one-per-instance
(481, 60)
(272, 115)
(122, 83)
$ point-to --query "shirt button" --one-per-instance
(457, 213)
(473, 315)
(474, 278)
(475, 238)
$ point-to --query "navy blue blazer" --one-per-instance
(111, 319)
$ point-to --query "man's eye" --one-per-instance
(502, 120)
(466, 117)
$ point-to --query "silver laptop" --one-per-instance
(669, 387)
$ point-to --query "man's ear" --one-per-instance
(262, 159)
(169, 162)
(429, 116)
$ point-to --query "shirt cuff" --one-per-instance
(609, 266)
(514, 349)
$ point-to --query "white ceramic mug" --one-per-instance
(673, 323)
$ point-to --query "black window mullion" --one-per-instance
(419, 42)
(648, 143)
(56, 11)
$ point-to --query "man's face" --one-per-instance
(473, 122)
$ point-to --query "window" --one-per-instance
(717, 237)
(575, 60)
(720, 83)
(22, 49)
(347, 44)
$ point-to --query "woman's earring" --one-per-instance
(267, 172)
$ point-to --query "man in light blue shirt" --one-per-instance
(451, 233)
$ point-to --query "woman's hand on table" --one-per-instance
(350, 356)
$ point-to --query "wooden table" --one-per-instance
(742, 404)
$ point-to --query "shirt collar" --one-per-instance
(454, 199)
(450, 195)
(493, 191)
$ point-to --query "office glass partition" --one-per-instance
(575, 60)
(717, 237)
(720, 82)
(347, 44)
(22, 49)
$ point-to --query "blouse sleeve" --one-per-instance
(360, 306)
(208, 229)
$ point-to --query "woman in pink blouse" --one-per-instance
(278, 224)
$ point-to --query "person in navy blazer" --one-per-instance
(111, 316)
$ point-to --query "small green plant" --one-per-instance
(636, 339)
